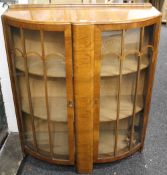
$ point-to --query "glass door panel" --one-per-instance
(109, 84)
(147, 49)
(40, 67)
(124, 66)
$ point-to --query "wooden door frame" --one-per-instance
(98, 29)
(66, 28)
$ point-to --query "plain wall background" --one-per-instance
(5, 80)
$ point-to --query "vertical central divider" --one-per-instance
(83, 50)
(28, 88)
(136, 86)
(122, 57)
(46, 93)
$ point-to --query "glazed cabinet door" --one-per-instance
(41, 68)
(124, 70)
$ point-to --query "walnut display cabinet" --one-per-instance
(82, 78)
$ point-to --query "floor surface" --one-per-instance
(153, 160)
(10, 155)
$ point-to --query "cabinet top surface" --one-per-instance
(81, 14)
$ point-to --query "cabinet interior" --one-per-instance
(41, 77)
(40, 64)
(124, 65)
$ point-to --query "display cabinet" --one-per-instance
(82, 78)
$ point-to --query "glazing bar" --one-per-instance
(46, 93)
(119, 91)
(28, 89)
(13, 69)
(132, 140)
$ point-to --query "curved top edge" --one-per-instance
(128, 5)
(81, 14)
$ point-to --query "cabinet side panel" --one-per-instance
(83, 48)
(150, 80)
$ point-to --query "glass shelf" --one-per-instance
(57, 108)
(56, 97)
(107, 135)
(59, 133)
(110, 64)
(50, 52)
(111, 41)
(109, 98)
(108, 107)
(55, 65)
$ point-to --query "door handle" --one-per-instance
(70, 104)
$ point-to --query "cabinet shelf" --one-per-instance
(57, 108)
(107, 135)
(106, 144)
(55, 66)
(110, 64)
(59, 135)
(108, 109)
(60, 144)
